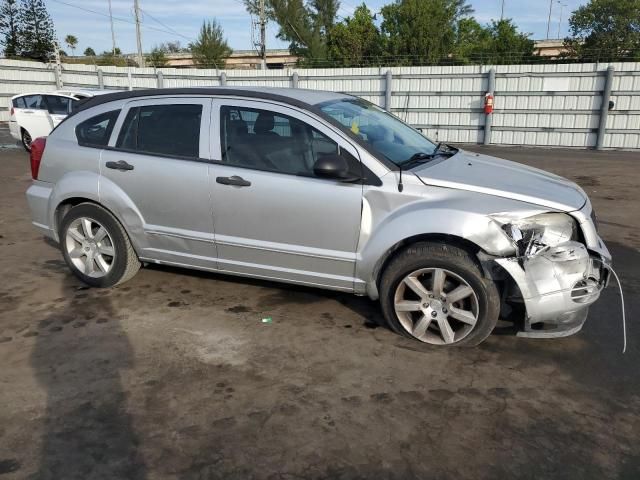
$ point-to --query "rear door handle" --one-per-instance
(119, 165)
(234, 180)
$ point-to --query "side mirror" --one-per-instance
(334, 167)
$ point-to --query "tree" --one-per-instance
(172, 47)
(108, 58)
(10, 28)
(37, 32)
(157, 57)
(356, 40)
(210, 49)
(471, 39)
(506, 44)
(72, 42)
(497, 43)
(305, 25)
(422, 31)
(605, 30)
(89, 52)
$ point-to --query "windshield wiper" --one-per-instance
(444, 149)
(422, 157)
(416, 159)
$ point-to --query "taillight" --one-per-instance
(13, 110)
(37, 150)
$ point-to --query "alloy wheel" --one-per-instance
(26, 140)
(90, 247)
(436, 306)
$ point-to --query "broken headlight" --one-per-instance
(535, 234)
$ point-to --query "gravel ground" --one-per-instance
(174, 376)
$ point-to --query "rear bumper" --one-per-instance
(557, 287)
(14, 130)
(38, 198)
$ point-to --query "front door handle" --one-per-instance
(119, 165)
(234, 180)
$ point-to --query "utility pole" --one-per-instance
(263, 36)
(562, 5)
(549, 20)
(502, 11)
(136, 12)
(113, 32)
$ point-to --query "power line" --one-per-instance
(165, 25)
(119, 19)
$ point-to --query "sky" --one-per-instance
(171, 20)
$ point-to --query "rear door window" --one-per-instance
(58, 105)
(171, 130)
(96, 131)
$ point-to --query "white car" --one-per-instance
(34, 115)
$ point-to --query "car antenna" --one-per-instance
(400, 185)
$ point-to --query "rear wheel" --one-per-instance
(26, 140)
(96, 247)
(436, 294)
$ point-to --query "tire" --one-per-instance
(110, 255)
(420, 314)
(26, 140)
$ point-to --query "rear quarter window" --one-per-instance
(96, 131)
(19, 102)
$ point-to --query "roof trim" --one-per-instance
(154, 92)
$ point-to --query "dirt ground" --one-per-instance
(174, 376)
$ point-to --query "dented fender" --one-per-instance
(101, 191)
(389, 219)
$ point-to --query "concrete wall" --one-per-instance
(545, 105)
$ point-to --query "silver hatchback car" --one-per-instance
(321, 189)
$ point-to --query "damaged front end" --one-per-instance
(557, 275)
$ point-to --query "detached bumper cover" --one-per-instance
(558, 285)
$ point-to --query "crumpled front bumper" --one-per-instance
(558, 285)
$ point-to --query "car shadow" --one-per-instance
(362, 306)
(78, 359)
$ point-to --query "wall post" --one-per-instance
(488, 118)
(294, 80)
(160, 79)
(130, 80)
(387, 90)
(604, 108)
(100, 79)
(58, 77)
(223, 79)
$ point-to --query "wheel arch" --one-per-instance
(448, 239)
(68, 203)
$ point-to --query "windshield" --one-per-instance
(386, 135)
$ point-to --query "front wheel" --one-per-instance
(96, 247)
(436, 293)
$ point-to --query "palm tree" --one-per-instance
(72, 42)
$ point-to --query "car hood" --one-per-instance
(502, 178)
